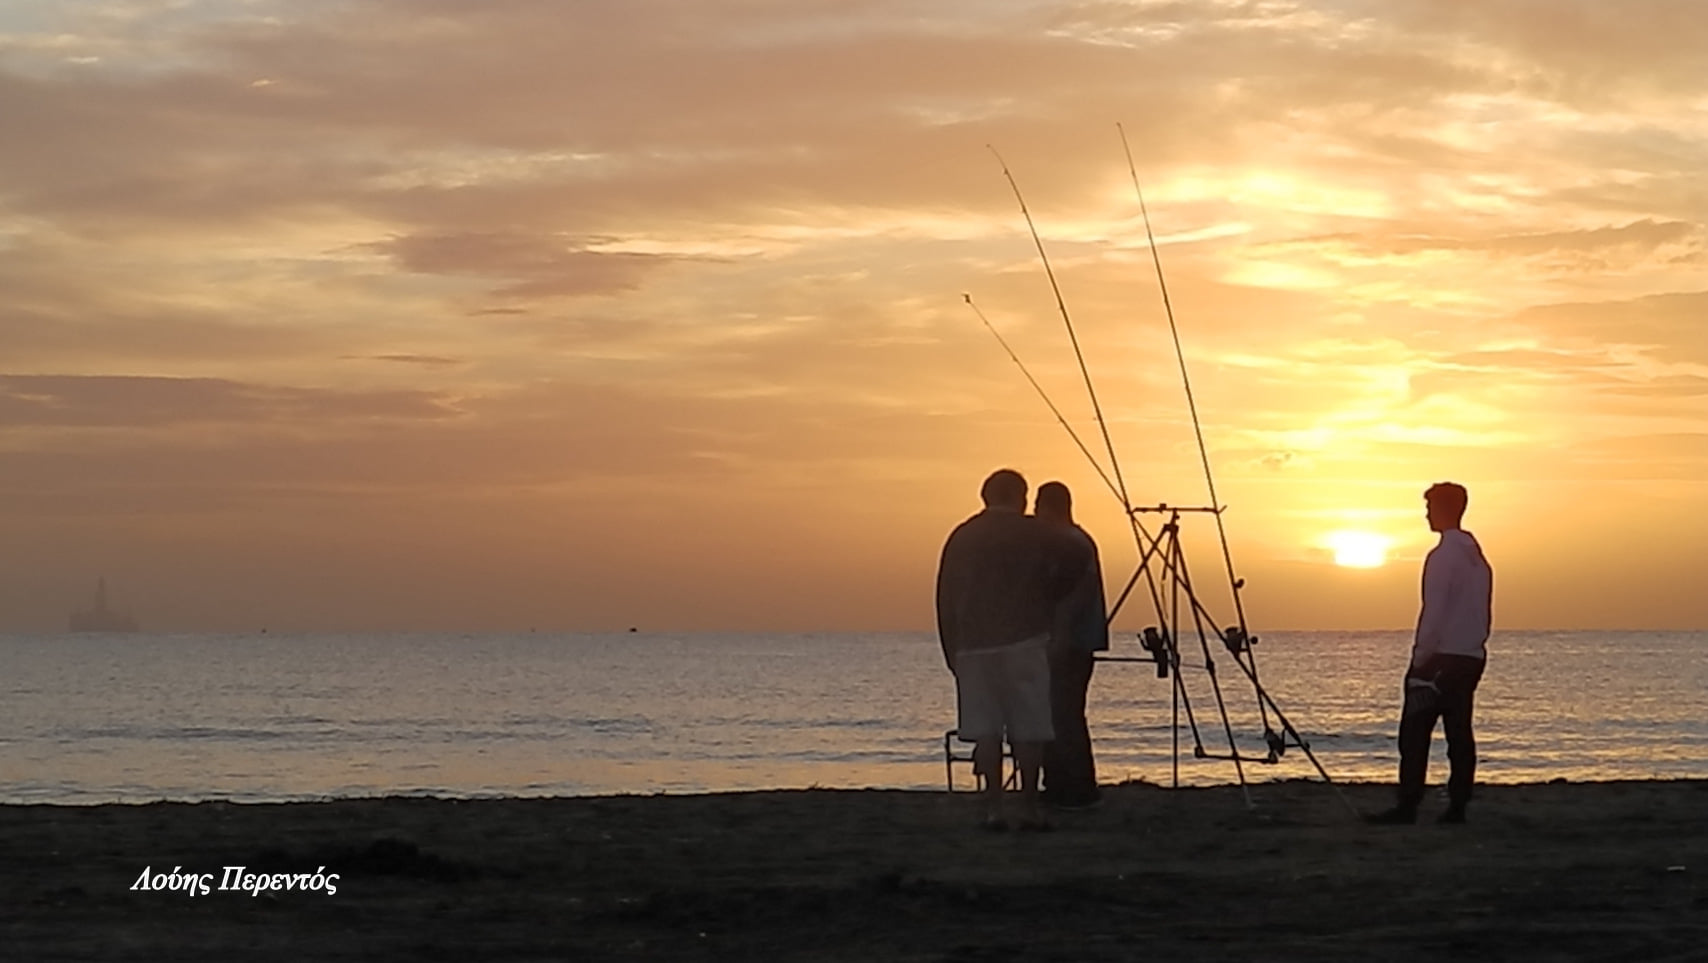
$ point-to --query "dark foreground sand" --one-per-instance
(1558, 871)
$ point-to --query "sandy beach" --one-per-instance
(1554, 871)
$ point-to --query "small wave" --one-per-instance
(174, 733)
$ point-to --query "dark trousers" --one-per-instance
(1070, 774)
(1455, 678)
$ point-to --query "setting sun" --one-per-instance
(470, 348)
(1358, 549)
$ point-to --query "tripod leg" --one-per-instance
(1174, 730)
(1287, 727)
(1215, 683)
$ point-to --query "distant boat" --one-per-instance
(99, 617)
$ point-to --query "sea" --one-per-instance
(89, 719)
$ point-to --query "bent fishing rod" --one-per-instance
(1073, 336)
(1147, 544)
(1235, 583)
(1119, 486)
(1185, 380)
(1143, 541)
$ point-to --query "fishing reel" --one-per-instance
(1156, 643)
(1236, 640)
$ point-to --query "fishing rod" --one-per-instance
(1060, 418)
(1140, 537)
(1147, 545)
(1235, 583)
(1073, 336)
(1185, 379)
(1247, 663)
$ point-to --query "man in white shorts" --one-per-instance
(998, 582)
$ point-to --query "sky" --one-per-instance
(362, 315)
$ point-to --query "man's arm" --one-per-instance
(1099, 605)
(948, 630)
(1081, 622)
(1070, 556)
(1432, 617)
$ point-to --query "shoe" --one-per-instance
(1453, 815)
(1397, 816)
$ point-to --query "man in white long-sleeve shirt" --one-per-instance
(1447, 659)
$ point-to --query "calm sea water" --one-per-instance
(88, 719)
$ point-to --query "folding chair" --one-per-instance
(950, 757)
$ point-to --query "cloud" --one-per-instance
(154, 433)
(37, 401)
(1642, 237)
(426, 360)
(622, 260)
(527, 111)
(1581, 49)
(537, 266)
(1668, 326)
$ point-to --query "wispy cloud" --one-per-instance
(570, 254)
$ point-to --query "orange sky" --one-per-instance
(391, 314)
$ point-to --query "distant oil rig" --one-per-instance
(100, 617)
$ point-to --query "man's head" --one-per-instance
(1055, 502)
(1445, 502)
(1004, 489)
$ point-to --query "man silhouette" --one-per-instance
(999, 579)
(1448, 656)
(1081, 628)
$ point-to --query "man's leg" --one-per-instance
(987, 760)
(979, 720)
(1028, 760)
(1055, 756)
(1458, 691)
(1087, 763)
(1028, 714)
(1070, 775)
(1061, 775)
(1417, 726)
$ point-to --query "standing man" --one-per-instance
(998, 581)
(1081, 628)
(1447, 659)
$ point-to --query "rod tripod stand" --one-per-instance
(1181, 614)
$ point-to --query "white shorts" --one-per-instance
(1005, 691)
